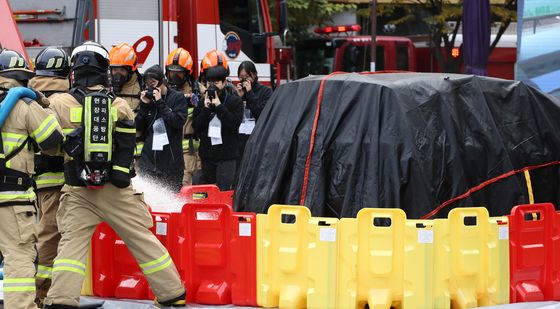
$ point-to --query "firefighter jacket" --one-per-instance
(70, 112)
(49, 85)
(130, 92)
(49, 170)
(189, 138)
(28, 124)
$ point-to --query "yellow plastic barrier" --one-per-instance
(463, 258)
(347, 271)
(498, 271)
(381, 259)
(442, 273)
(322, 263)
(282, 257)
(381, 256)
(379, 244)
(418, 264)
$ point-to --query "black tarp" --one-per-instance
(409, 140)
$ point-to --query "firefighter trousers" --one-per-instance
(48, 238)
(80, 211)
(192, 164)
(17, 243)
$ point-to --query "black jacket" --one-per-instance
(230, 113)
(256, 98)
(173, 110)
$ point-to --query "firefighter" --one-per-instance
(126, 80)
(216, 122)
(178, 71)
(51, 78)
(98, 157)
(27, 123)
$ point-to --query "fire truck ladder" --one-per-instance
(84, 28)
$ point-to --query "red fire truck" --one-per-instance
(241, 28)
(339, 48)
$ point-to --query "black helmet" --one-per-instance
(154, 72)
(52, 61)
(90, 54)
(90, 65)
(13, 65)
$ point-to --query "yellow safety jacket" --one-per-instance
(27, 120)
(130, 92)
(188, 130)
(53, 171)
(69, 114)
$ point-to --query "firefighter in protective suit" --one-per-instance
(126, 80)
(99, 153)
(27, 124)
(124, 74)
(51, 79)
(178, 71)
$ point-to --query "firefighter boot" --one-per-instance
(175, 302)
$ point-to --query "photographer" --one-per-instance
(217, 122)
(161, 117)
(250, 90)
(254, 95)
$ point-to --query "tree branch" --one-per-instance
(501, 31)
(512, 5)
(457, 24)
(436, 50)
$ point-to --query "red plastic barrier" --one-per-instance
(170, 231)
(534, 251)
(102, 253)
(222, 249)
(206, 194)
(115, 273)
(130, 281)
(244, 261)
(213, 248)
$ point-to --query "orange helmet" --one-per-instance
(179, 60)
(214, 65)
(123, 55)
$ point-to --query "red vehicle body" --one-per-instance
(13, 40)
(240, 28)
(351, 53)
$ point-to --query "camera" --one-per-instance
(150, 93)
(211, 92)
(242, 82)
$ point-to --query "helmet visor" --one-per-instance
(176, 77)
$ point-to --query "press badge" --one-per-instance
(215, 131)
(160, 135)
